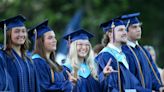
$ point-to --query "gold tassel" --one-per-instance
(4, 43)
(35, 32)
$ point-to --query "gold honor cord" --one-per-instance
(52, 75)
(140, 70)
(119, 79)
(150, 65)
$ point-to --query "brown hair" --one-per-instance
(40, 49)
(97, 48)
(23, 49)
(105, 40)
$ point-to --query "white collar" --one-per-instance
(132, 44)
(114, 47)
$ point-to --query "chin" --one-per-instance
(138, 38)
(21, 43)
(82, 56)
(54, 49)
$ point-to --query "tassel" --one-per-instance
(112, 26)
(127, 24)
(35, 32)
(5, 29)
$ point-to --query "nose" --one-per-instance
(125, 32)
(85, 46)
(138, 28)
(22, 33)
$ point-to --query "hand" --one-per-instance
(108, 69)
(161, 89)
(71, 78)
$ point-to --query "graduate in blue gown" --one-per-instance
(52, 77)
(80, 62)
(119, 78)
(20, 68)
(142, 65)
(5, 79)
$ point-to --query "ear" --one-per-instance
(109, 34)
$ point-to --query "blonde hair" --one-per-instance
(149, 48)
(73, 57)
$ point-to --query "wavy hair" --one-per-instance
(89, 59)
(105, 40)
(9, 43)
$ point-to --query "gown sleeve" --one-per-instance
(156, 85)
(108, 83)
(44, 76)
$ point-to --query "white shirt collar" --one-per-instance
(132, 44)
(114, 47)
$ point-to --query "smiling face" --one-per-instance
(83, 47)
(50, 41)
(120, 34)
(134, 32)
(18, 35)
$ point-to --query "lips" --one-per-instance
(53, 44)
(21, 39)
(83, 52)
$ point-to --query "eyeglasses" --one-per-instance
(82, 44)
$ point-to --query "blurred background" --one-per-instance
(66, 15)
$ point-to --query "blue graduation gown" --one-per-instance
(6, 83)
(85, 83)
(149, 78)
(88, 84)
(22, 72)
(110, 83)
(61, 82)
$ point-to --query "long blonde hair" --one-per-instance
(73, 57)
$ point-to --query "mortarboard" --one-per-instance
(130, 19)
(78, 34)
(39, 29)
(111, 24)
(16, 21)
(7, 24)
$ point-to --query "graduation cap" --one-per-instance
(78, 34)
(7, 24)
(39, 29)
(17, 21)
(111, 24)
(130, 19)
